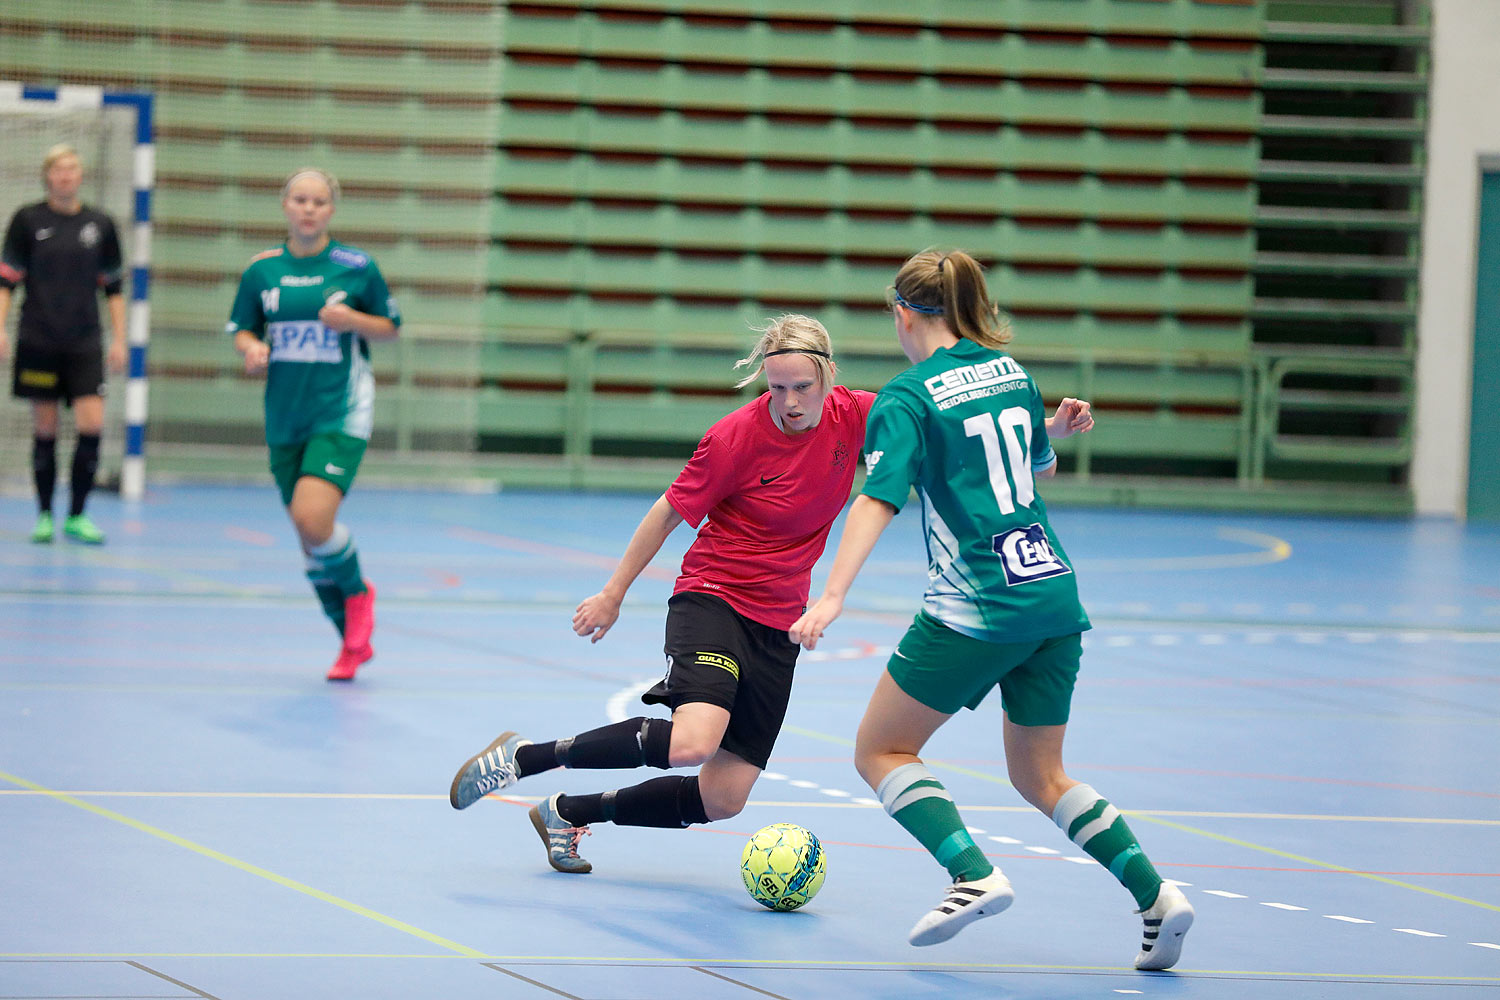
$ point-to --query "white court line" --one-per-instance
(1485, 944)
(1347, 920)
(615, 708)
(1413, 930)
(1226, 895)
(1285, 906)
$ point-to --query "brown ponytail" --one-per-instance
(951, 285)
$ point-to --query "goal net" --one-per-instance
(108, 131)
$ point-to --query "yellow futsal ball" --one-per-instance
(783, 866)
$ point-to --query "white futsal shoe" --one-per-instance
(965, 903)
(1165, 922)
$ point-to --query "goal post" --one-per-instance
(112, 131)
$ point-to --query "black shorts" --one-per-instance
(718, 656)
(42, 372)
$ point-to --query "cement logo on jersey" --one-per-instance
(872, 459)
(841, 455)
(89, 234)
(1027, 555)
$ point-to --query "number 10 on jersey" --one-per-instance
(1014, 425)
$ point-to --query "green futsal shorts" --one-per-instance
(332, 456)
(947, 670)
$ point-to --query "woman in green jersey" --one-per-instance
(304, 314)
(965, 426)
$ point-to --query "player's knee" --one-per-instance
(867, 765)
(722, 803)
(1041, 790)
(312, 527)
(690, 749)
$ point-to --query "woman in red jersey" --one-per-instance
(769, 478)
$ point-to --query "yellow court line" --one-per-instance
(852, 965)
(1314, 861)
(245, 866)
(1272, 550)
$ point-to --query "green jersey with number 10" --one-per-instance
(967, 428)
(319, 380)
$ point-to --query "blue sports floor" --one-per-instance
(1300, 717)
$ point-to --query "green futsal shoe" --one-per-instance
(42, 533)
(81, 529)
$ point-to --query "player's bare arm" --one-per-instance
(341, 317)
(257, 352)
(866, 522)
(595, 615)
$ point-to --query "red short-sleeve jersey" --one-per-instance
(769, 499)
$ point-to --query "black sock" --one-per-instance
(85, 464)
(534, 758)
(624, 744)
(581, 810)
(44, 471)
(672, 802)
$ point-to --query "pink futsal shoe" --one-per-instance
(349, 660)
(359, 619)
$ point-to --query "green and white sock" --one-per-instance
(333, 571)
(340, 561)
(920, 803)
(1096, 826)
(329, 595)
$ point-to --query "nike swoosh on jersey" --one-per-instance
(43, 234)
(767, 482)
(333, 470)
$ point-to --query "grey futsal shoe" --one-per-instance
(489, 770)
(560, 836)
(965, 903)
(1166, 922)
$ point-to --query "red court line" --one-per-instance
(552, 551)
(248, 535)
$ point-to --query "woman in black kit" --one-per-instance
(63, 253)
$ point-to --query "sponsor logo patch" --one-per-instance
(348, 258)
(1026, 555)
(36, 379)
(308, 341)
(719, 660)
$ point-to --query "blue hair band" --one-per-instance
(925, 310)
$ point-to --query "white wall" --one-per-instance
(1463, 128)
